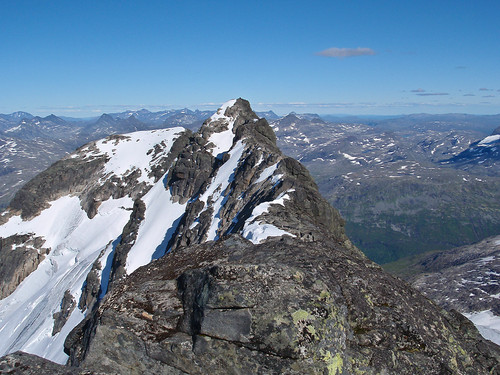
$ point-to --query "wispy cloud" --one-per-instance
(347, 105)
(485, 89)
(432, 93)
(488, 96)
(340, 53)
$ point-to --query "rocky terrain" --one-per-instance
(175, 252)
(465, 279)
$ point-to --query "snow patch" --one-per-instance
(131, 152)
(486, 259)
(255, 230)
(222, 140)
(487, 323)
(216, 192)
(160, 221)
(486, 141)
(266, 173)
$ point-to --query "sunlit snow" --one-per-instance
(131, 151)
(256, 231)
(266, 173)
(223, 140)
(216, 191)
(155, 230)
(486, 141)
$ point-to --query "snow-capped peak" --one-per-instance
(220, 114)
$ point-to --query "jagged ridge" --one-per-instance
(147, 193)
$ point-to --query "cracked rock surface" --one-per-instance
(285, 306)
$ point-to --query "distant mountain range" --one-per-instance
(484, 154)
(404, 184)
(403, 187)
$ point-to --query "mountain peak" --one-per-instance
(249, 258)
(220, 129)
(20, 115)
(52, 117)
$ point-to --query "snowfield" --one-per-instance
(131, 152)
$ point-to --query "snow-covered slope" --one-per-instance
(75, 242)
(117, 204)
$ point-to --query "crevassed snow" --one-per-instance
(131, 153)
(487, 324)
(26, 315)
(160, 220)
(222, 140)
(486, 141)
(256, 231)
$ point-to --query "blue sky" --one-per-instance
(82, 58)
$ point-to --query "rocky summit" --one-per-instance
(172, 252)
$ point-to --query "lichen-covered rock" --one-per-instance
(285, 306)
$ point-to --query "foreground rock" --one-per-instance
(284, 306)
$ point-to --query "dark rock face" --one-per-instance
(68, 304)
(19, 256)
(68, 176)
(286, 306)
